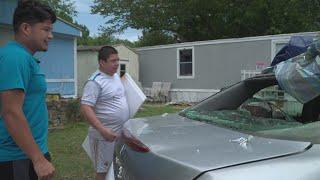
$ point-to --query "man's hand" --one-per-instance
(91, 117)
(43, 168)
(108, 134)
(18, 127)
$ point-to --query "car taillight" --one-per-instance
(134, 143)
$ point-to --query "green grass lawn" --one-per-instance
(69, 158)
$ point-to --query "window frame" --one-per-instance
(125, 69)
(124, 62)
(178, 63)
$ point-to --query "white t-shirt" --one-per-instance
(107, 97)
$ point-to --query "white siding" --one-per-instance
(133, 65)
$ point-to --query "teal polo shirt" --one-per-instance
(20, 70)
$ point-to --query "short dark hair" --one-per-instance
(32, 12)
(105, 52)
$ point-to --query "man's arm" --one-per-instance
(18, 128)
(91, 117)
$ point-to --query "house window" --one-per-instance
(122, 69)
(185, 63)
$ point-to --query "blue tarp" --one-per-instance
(297, 45)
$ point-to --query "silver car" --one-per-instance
(251, 130)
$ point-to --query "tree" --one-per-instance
(102, 40)
(154, 38)
(193, 20)
(85, 38)
(64, 9)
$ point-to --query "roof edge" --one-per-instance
(229, 40)
(69, 23)
(97, 48)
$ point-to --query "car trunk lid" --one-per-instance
(205, 146)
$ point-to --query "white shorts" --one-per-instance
(102, 153)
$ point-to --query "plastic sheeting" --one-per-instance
(134, 95)
(300, 76)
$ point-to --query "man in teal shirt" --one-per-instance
(24, 116)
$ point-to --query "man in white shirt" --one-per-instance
(105, 107)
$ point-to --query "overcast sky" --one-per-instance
(94, 21)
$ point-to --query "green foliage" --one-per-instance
(102, 40)
(68, 157)
(64, 9)
(193, 20)
(72, 110)
(154, 38)
(84, 29)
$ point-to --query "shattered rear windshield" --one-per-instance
(240, 120)
(269, 113)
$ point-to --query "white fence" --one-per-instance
(245, 74)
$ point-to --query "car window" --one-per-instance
(274, 103)
(268, 112)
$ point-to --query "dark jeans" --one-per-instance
(19, 169)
